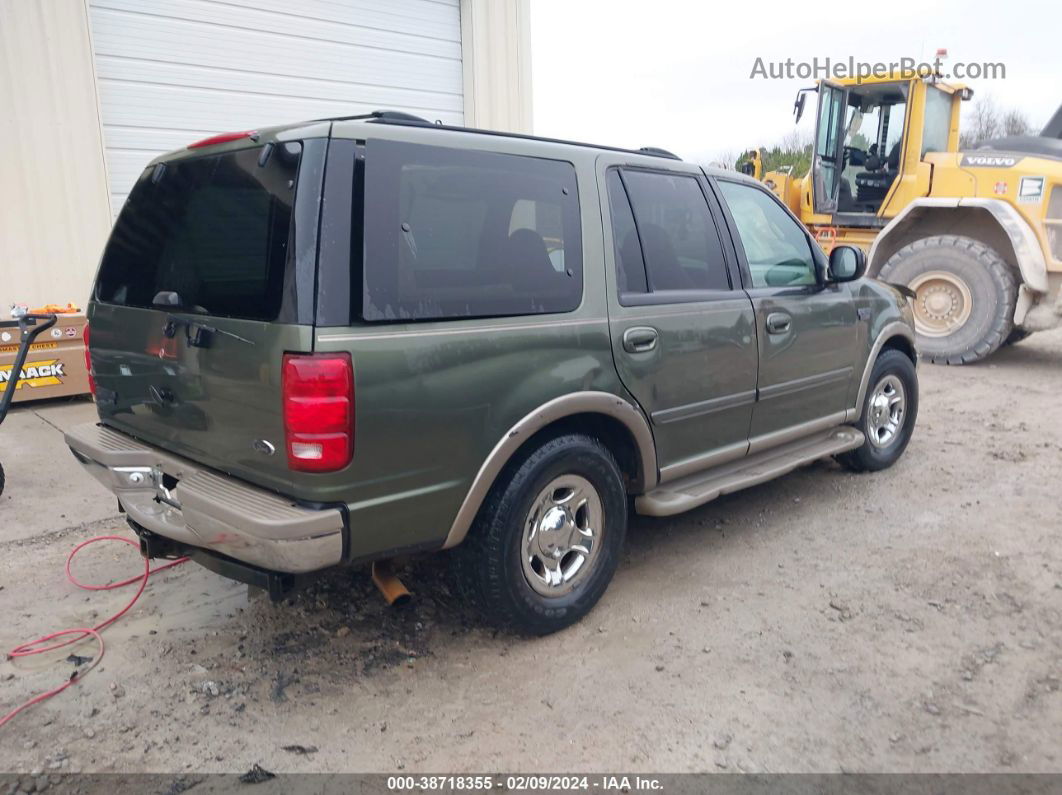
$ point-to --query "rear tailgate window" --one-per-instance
(213, 230)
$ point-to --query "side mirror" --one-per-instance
(847, 263)
(798, 106)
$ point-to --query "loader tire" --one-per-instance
(1017, 336)
(1, 480)
(965, 296)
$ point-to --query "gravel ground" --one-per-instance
(905, 621)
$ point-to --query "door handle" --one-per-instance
(778, 323)
(639, 339)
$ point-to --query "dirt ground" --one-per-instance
(905, 621)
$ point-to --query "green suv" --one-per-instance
(354, 339)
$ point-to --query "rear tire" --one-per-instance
(520, 564)
(1, 480)
(965, 296)
(891, 390)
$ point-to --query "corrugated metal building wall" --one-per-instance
(173, 71)
(100, 87)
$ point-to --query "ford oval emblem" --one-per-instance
(263, 446)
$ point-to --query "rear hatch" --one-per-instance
(206, 281)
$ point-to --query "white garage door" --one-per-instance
(173, 71)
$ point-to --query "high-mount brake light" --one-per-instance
(223, 138)
(318, 400)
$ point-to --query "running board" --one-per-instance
(701, 487)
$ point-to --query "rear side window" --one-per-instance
(215, 230)
(458, 233)
(679, 240)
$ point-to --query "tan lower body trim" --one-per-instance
(758, 444)
(556, 409)
(698, 463)
(695, 490)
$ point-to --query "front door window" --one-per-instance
(776, 247)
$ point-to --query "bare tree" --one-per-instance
(1016, 123)
(985, 120)
(795, 141)
(724, 159)
(981, 123)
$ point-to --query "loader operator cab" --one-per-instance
(872, 147)
(858, 144)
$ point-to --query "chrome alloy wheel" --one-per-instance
(562, 534)
(887, 408)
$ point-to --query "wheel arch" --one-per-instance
(992, 222)
(619, 424)
(898, 342)
(897, 335)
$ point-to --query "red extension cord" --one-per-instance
(36, 647)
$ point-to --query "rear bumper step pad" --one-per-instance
(207, 509)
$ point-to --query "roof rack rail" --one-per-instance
(390, 116)
(408, 119)
(656, 151)
(398, 117)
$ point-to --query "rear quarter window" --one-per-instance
(213, 229)
(458, 233)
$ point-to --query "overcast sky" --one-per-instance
(675, 73)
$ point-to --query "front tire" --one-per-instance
(965, 296)
(887, 420)
(547, 541)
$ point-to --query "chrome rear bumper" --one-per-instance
(200, 507)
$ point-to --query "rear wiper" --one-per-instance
(199, 335)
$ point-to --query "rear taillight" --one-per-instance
(318, 411)
(88, 361)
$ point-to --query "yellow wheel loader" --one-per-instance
(976, 234)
